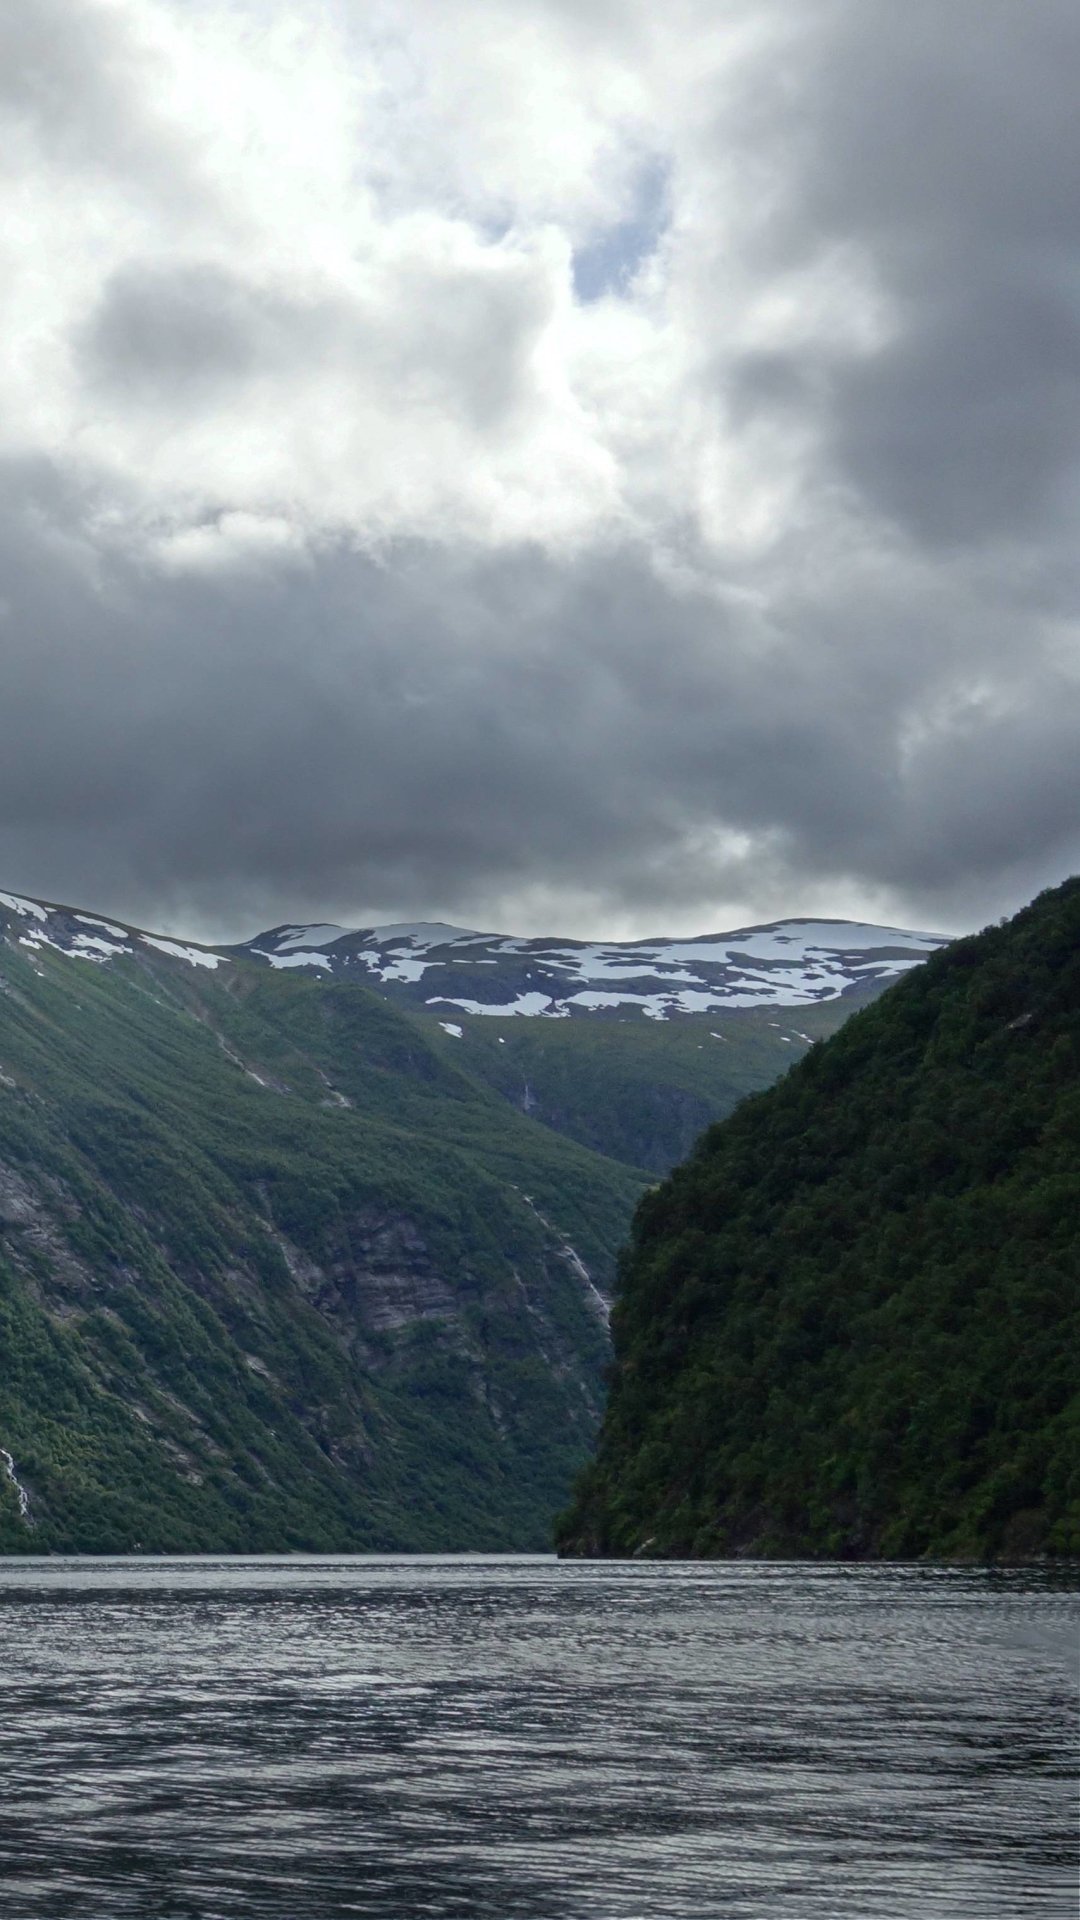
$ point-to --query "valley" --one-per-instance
(287, 1260)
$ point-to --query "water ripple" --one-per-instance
(474, 1739)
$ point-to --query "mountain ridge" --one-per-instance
(635, 1073)
(784, 963)
(793, 962)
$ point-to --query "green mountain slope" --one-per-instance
(850, 1324)
(287, 1259)
(634, 1090)
(629, 1048)
(274, 1272)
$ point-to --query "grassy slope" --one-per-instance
(195, 1270)
(638, 1090)
(849, 1324)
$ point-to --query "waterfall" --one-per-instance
(574, 1261)
(24, 1497)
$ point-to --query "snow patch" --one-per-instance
(310, 937)
(281, 960)
(449, 1027)
(882, 966)
(526, 1003)
(192, 955)
(103, 926)
(593, 999)
(402, 966)
(28, 908)
(90, 946)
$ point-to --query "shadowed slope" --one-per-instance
(849, 1324)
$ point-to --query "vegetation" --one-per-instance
(848, 1326)
(286, 1264)
(275, 1273)
(641, 1091)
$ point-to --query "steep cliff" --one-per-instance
(849, 1325)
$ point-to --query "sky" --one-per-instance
(563, 466)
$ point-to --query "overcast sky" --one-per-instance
(582, 466)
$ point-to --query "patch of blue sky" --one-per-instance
(612, 258)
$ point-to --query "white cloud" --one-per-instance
(736, 365)
(320, 265)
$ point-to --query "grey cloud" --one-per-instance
(468, 334)
(73, 81)
(162, 332)
(883, 702)
(935, 128)
(770, 382)
(63, 72)
(189, 334)
(970, 427)
(943, 142)
(435, 730)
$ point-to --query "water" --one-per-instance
(314, 1738)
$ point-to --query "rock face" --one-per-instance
(380, 1278)
(848, 1325)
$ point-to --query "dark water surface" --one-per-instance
(313, 1738)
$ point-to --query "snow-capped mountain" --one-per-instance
(450, 971)
(37, 924)
(456, 970)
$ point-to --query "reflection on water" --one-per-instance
(313, 1738)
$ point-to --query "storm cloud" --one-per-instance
(560, 469)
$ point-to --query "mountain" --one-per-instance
(274, 1272)
(287, 1258)
(631, 1050)
(789, 963)
(849, 1325)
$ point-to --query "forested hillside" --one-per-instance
(275, 1273)
(849, 1325)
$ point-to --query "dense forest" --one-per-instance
(849, 1324)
